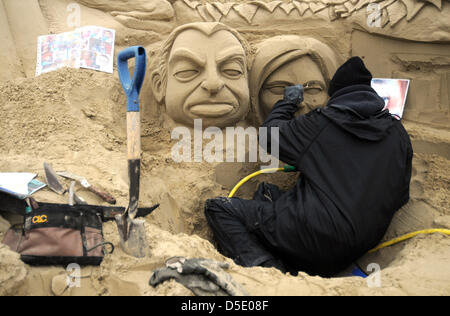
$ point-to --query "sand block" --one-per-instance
(26, 24)
(8, 54)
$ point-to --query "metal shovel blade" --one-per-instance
(132, 235)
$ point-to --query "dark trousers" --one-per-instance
(244, 229)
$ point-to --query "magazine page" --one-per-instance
(97, 48)
(90, 47)
(394, 93)
(58, 50)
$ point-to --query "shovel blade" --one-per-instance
(133, 239)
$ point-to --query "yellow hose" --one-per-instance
(381, 246)
(233, 192)
(408, 236)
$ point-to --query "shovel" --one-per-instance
(131, 230)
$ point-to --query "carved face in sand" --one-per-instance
(299, 71)
(206, 76)
(286, 61)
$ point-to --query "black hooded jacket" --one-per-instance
(355, 168)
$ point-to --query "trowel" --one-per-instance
(52, 179)
(131, 230)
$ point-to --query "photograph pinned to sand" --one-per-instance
(394, 93)
(97, 48)
(89, 47)
(58, 50)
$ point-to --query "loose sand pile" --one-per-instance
(75, 120)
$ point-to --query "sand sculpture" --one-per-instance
(195, 81)
(202, 73)
(336, 9)
(384, 14)
(289, 60)
(23, 21)
(370, 29)
(137, 14)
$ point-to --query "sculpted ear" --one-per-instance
(157, 86)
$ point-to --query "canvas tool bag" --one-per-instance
(56, 234)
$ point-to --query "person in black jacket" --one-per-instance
(355, 163)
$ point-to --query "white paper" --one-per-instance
(16, 182)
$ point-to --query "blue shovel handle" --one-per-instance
(133, 86)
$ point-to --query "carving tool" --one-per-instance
(85, 184)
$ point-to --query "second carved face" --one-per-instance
(302, 70)
(289, 60)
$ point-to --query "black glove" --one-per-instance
(294, 94)
(202, 276)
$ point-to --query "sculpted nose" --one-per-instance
(212, 83)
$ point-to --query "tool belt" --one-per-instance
(56, 234)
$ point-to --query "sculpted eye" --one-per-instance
(313, 87)
(279, 90)
(185, 75)
(233, 73)
(232, 70)
(313, 90)
(276, 88)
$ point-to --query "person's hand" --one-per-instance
(294, 94)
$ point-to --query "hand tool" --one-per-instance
(52, 179)
(131, 230)
(85, 184)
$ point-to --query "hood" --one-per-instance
(352, 72)
(359, 110)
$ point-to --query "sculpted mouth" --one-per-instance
(211, 110)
